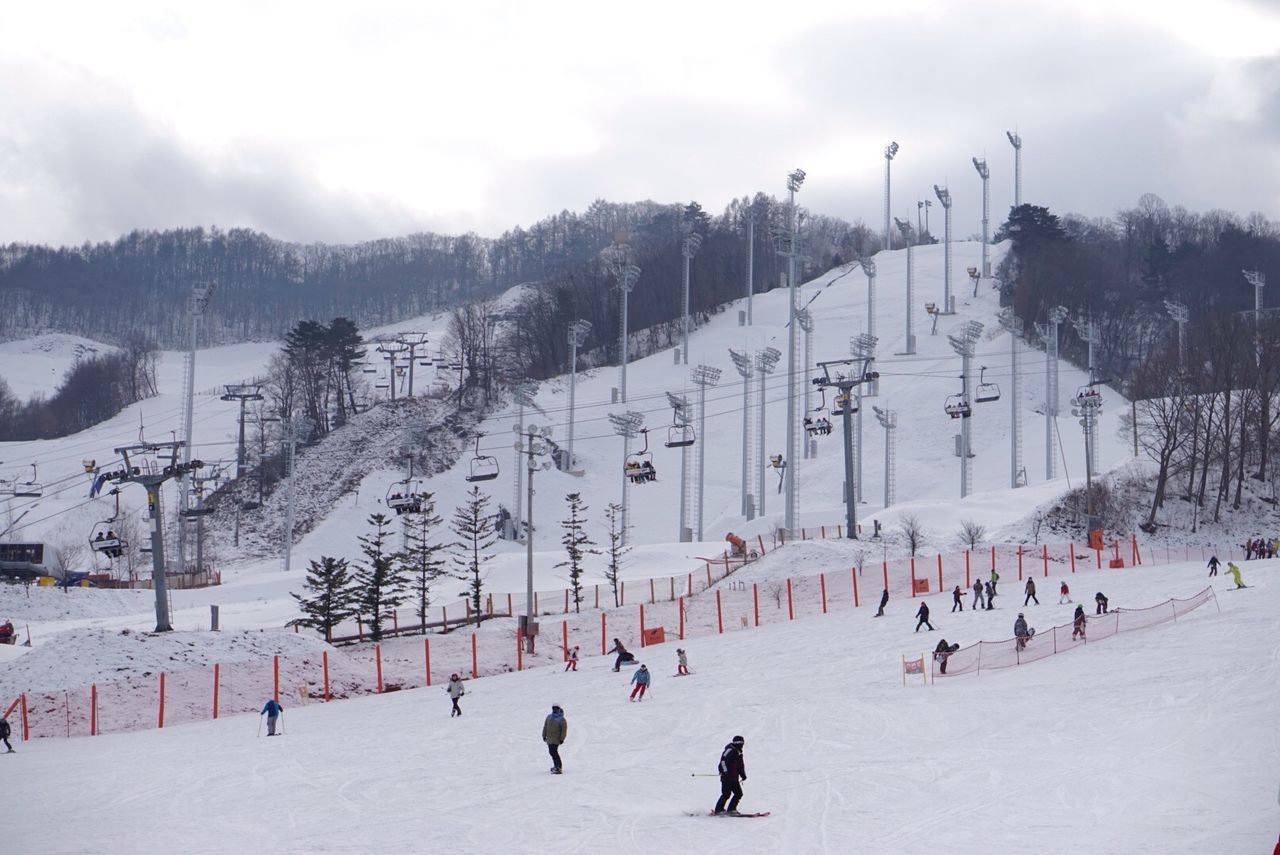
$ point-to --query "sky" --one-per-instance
(338, 123)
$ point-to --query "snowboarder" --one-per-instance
(1213, 565)
(733, 770)
(4, 734)
(682, 669)
(271, 710)
(956, 601)
(1021, 633)
(991, 596)
(554, 731)
(1102, 603)
(571, 664)
(1031, 592)
(1064, 593)
(995, 578)
(978, 602)
(624, 656)
(923, 614)
(456, 690)
(942, 652)
(1234, 572)
(1077, 624)
(884, 601)
(641, 681)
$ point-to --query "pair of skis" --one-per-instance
(726, 815)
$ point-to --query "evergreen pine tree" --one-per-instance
(332, 596)
(577, 545)
(380, 582)
(473, 524)
(616, 549)
(422, 561)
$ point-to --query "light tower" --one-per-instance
(833, 377)
(391, 349)
(688, 249)
(948, 302)
(523, 393)
(794, 180)
(751, 260)
(869, 268)
(1088, 332)
(863, 347)
(680, 415)
(889, 151)
(1016, 142)
(980, 164)
(889, 421)
(200, 297)
(905, 228)
(578, 332)
(1259, 281)
(745, 364)
(805, 318)
(1017, 474)
(704, 376)
(628, 274)
(626, 426)
(1180, 314)
(962, 342)
(1088, 407)
(1049, 332)
(766, 362)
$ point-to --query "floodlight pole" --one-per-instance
(889, 151)
(751, 259)
(863, 347)
(745, 365)
(1013, 324)
(963, 343)
(1088, 330)
(766, 362)
(980, 164)
(869, 268)
(905, 227)
(704, 376)
(578, 332)
(688, 249)
(200, 297)
(1016, 142)
(523, 394)
(531, 444)
(628, 275)
(680, 415)
(794, 180)
(948, 302)
(626, 425)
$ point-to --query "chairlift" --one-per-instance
(845, 401)
(405, 497)
(987, 392)
(1088, 396)
(103, 537)
(484, 467)
(957, 407)
(28, 489)
(639, 466)
(818, 421)
(680, 436)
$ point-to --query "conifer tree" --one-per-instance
(616, 549)
(577, 545)
(331, 600)
(473, 524)
(422, 561)
(380, 582)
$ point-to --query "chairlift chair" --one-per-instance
(986, 392)
(484, 467)
(680, 436)
(104, 539)
(639, 466)
(405, 497)
(845, 401)
(1088, 396)
(957, 407)
(818, 422)
(28, 489)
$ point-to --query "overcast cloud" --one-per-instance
(312, 121)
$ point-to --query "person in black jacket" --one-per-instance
(4, 734)
(884, 601)
(1102, 603)
(1031, 592)
(956, 599)
(624, 655)
(733, 770)
(942, 652)
(923, 614)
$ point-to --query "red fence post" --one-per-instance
(603, 633)
(755, 601)
(216, 667)
(968, 583)
(275, 678)
(475, 665)
(426, 665)
(377, 660)
(791, 612)
(884, 567)
(680, 606)
(1019, 562)
(853, 571)
(93, 710)
(160, 721)
(324, 662)
(26, 728)
(642, 625)
(913, 576)
(939, 572)
(993, 556)
(822, 585)
(719, 614)
(1072, 547)
(564, 641)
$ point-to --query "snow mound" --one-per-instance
(30, 603)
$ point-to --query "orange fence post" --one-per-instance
(475, 665)
(564, 641)
(642, 624)
(884, 567)
(853, 571)
(426, 664)
(680, 606)
(672, 579)
(216, 666)
(755, 600)
(719, 614)
(275, 678)
(603, 633)
(26, 728)
(822, 585)
(760, 540)
(324, 663)
(968, 583)
(93, 710)
(1072, 547)
(939, 572)
(993, 556)
(519, 649)
(1099, 554)
(913, 576)
(377, 661)
(160, 721)
(1044, 550)
(791, 612)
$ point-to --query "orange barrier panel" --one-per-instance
(654, 635)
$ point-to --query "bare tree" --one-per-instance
(776, 590)
(972, 533)
(913, 533)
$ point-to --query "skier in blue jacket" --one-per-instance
(271, 710)
(641, 681)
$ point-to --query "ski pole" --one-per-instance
(259, 727)
(704, 774)
(282, 722)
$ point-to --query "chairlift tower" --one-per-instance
(869, 268)
(160, 464)
(533, 443)
(745, 364)
(948, 301)
(805, 318)
(863, 346)
(1258, 280)
(244, 393)
(201, 295)
(626, 426)
(794, 179)
(628, 275)
(523, 394)
(293, 429)
(391, 349)
(962, 342)
(889, 421)
(905, 228)
(980, 164)
(411, 342)
(1013, 324)
(889, 152)
(1088, 407)
(578, 332)
(1088, 332)
(1181, 315)
(688, 249)
(766, 361)
(704, 376)
(1049, 332)
(833, 377)
(1016, 142)
(680, 415)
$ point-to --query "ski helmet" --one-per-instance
(738, 740)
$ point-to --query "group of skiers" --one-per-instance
(1232, 570)
(1261, 547)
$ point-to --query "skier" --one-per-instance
(271, 710)
(1102, 603)
(1064, 593)
(956, 601)
(554, 731)
(1077, 624)
(942, 652)
(1234, 572)
(884, 601)
(4, 734)
(1021, 632)
(456, 690)
(571, 664)
(978, 602)
(1031, 592)
(1213, 565)
(641, 681)
(624, 656)
(991, 596)
(682, 669)
(923, 614)
(733, 770)
(995, 578)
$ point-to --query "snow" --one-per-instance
(37, 365)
